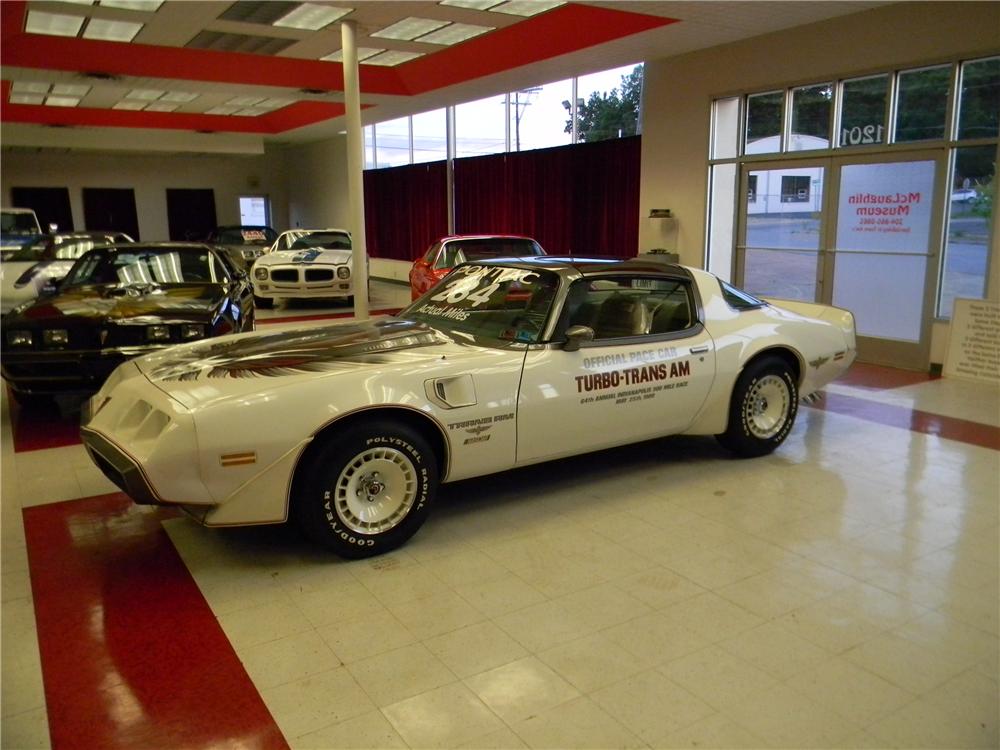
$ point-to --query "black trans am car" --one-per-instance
(118, 302)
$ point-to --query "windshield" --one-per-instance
(55, 248)
(19, 222)
(492, 302)
(333, 240)
(484, 248)
(147, 266)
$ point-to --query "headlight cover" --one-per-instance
(158, 333)
(55, 337)
(260, 273)
(343, 272)
(19, 338)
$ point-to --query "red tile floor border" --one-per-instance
(132, 656)
(880, 378)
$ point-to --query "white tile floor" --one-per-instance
(842, 592)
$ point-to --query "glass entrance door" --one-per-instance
(882, 258)
(782, 230)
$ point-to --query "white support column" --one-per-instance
(355, 169)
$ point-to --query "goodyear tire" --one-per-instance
(367, 490)
(763, 408)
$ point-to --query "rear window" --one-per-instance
(459, 251)
(738, 299)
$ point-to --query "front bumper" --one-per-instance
(302, 287)
(119, 467)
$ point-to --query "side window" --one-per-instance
(739, 299)
(622, 307)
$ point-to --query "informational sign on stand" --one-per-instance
(974, 341)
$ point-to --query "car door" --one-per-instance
(646, 373)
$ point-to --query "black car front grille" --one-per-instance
(319, 274)
(285, 274)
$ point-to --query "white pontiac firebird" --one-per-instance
(304, 264)
(349, 428)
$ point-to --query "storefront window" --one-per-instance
(725, 127)
(811, 106)
(480, 127)
(764, 116)
(862, 118)
(609, 103)
(973, 184)
(392, 142)
(980, 104)
(538, 117)
(430, 135)
(922, 104)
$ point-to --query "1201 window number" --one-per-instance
(859, 135)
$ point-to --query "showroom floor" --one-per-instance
(842, 592)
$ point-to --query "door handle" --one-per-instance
(699, 349)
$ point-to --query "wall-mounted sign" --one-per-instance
(974, 341)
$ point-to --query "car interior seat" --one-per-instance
(620, 316)
(669, 317)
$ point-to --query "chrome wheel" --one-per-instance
(376, 490)
(766, 406)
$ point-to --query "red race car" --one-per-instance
(448, 252)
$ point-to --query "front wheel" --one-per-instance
(763, 408)
(368, 490)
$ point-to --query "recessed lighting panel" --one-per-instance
(275, 103)
(244, 101)
(392, 57)
(454, 33)
(311, 16)
(67, 89)
(29, 87)
(471, 4)
(26, 98)
(161, 107)
(410, 28)
(526, 7)
(61, 101)
(129, 104)
(111, 31)
(250, 112)
(363, 54)
(221, 110)
(54, 24)
(147, 95)
(178, 96)
(150, 6)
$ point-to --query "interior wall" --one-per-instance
(317, 184)
(149, 176)
(678, 92)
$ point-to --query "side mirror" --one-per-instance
(51, 286)
(576, 336)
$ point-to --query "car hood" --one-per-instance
(116, 303)
(250, 363)
(312, 255)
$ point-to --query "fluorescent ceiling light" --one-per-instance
(250, 112)
(26, 98)
(472, 4)
(454, 33)
(129, 104)
(61, 101)
(178, 96)
(392, 57)
(275, 103)
(221, 110)
(526, 7)
(54, 24)
(409, 28)
(161, 107)
(148, 95)
(244, 101)
(29, 87)
(363, 54)
(67, 89)
(311, 16)
(150, 6)
(111, 31)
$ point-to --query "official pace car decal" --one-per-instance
(479, 429)
(326, 349)
(642, 374)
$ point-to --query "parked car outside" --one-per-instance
(449, 252)
(963, 195)
(244, 243)
(27, 272)
(503, 364)
(305, 264)
(18, 226)
(119, 302)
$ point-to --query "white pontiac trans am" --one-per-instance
(304, 264)
(349, 428)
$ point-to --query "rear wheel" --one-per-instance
(763, 408)
(368, 490)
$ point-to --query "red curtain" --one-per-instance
(406, 209)
(581, 199)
